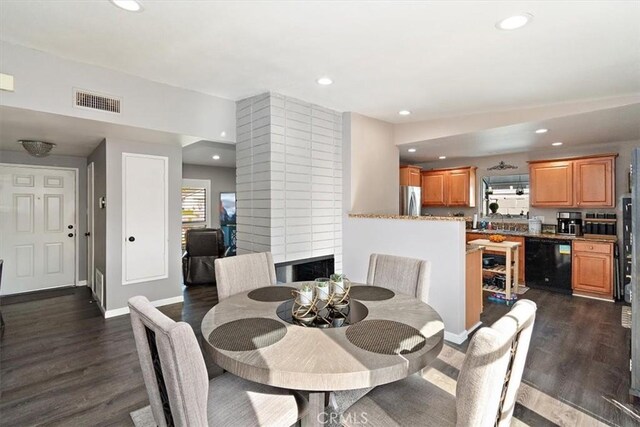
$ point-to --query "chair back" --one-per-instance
(172, 364)
(406, 275)
(488, 369)
(524, 313)
(243, 273)
(204, 242)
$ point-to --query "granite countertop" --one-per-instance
(474, 248)
(413, 218)
(542, 235)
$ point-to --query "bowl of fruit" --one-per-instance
(497, 238)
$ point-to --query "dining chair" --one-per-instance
(243, 273)
(407, 275)
(485, 391)
(179, 390)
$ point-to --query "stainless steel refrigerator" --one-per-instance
(410, 201)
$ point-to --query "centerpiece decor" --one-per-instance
(323, 302)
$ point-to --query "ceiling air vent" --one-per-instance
(94, 101)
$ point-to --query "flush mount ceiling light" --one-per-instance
(128, 5)
(324, 81)
(557, 144)
(404, 112)
(411, 150)
(216, 157)
(37, 148)
(514, 22)
(442, 157)
(542, 130)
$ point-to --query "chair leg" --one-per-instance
(1, 321)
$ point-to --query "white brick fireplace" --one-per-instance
(289, 179)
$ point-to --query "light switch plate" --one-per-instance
(6, 82)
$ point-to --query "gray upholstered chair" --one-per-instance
(485, 392)
(179, 390)
(243, 273)
(406, 275)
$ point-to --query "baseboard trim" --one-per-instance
(158, 303)
(456, 338)
(592, 297)
(81, 283)
(474, 327)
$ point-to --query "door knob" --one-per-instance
(132, 239)
(70, 227)
(87, 234)
(70, 234)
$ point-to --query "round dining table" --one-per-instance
(392, 336)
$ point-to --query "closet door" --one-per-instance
(144, 218)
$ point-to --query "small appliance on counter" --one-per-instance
(570, 223)
(410, 200)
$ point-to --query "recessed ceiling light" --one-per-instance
(324, 81)
(442, 157)
(223, 134)
(404, 112)
(542, 130)
(514, 22)
(216, 157)
(557, 144)
(128, 5)
(411, 150)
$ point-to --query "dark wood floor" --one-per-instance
(61, 363)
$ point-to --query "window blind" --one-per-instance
(194, 205)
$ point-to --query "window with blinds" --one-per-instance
(194, 209)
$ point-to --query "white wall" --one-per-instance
(223, 180)
(440, 242)
(170, 288)
(44, 82)
(372, 162)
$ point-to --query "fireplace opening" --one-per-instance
(305, 269)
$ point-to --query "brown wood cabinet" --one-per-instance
(449, 187)
(585, 182)
(592, 269)
(410, 175)
(519, 239)
(594, 180)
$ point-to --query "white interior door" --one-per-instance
(37, 228)
(90, 227)
(145, 218)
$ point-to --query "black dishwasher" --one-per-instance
(548, 264)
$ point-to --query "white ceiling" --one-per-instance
(434, 58)
(202, 152)
(72, 136)
(598, 127)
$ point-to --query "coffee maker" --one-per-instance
(570, 223)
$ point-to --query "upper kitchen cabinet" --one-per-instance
(551, 183)
(594, 182)
(585, 182)
(410, 175)
(449, 187)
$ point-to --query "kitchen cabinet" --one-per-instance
(551, 183)
(594, 179)
(592, 269)
(449, 187)
(473, 288)
(586, 182)
(521, 251)
(410, 175)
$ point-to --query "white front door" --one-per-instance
(90, 227)
(145, 222)
(37, 228)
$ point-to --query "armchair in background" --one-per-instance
(203, 247)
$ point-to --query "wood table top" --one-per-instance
(488, 243)
(324, 359)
